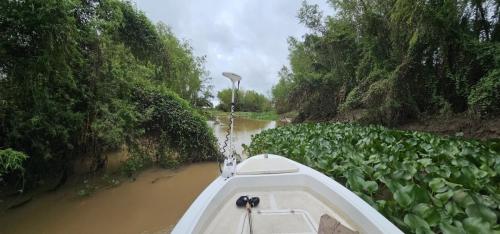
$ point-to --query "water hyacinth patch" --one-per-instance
(421, 182)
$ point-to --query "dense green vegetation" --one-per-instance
(419, 181)
(394, 60)
(389, 62)
(79, 78)
(11, 160)
(246, 100)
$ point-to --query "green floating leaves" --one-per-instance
(422, 183)
(447, 228)
(436, 184)
(442, 198)
(482, 212)
(417, 223)
(427, 212)
(370, 186)
(405, 195)
(476, 225)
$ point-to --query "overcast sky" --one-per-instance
(247, 37)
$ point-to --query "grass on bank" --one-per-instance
(269, 115)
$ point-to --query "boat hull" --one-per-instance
(284, 186)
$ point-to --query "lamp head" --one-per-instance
(233, 77)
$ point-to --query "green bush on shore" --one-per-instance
(80, 78)
(11, 160)
(394, 60)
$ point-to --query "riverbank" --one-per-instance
(462, 125)
(458, 125)
(269, 115)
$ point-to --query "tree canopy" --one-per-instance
(82, 77)
(395, 60)
(248, 100)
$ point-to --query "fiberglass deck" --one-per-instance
(279, 211)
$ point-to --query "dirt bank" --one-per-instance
(452, 125)
(457, 125)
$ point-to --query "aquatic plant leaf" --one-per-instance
(370, 186)
(443, 197)
(416, 223)
(447, 228)
(436, 184)
(476, 225)
(482, 212)
(404, 195)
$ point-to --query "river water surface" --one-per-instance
(152, 203)
(243, 131)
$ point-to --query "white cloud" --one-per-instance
(247, 37)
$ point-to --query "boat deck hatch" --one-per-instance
(267, 166)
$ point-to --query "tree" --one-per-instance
(187, 75)
(250, 100)
(281, 91)
(395, 60)
(79, 78)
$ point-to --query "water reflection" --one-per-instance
(243, 130)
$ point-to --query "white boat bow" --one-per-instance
(293, 198)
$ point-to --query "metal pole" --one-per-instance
(231, 147)
(229, 167)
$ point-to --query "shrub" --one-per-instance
(485, 96)
(11, 160)
(172, 124)
(134, 164)
(377, 94)
(353, 100)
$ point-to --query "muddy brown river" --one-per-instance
(152, 203)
